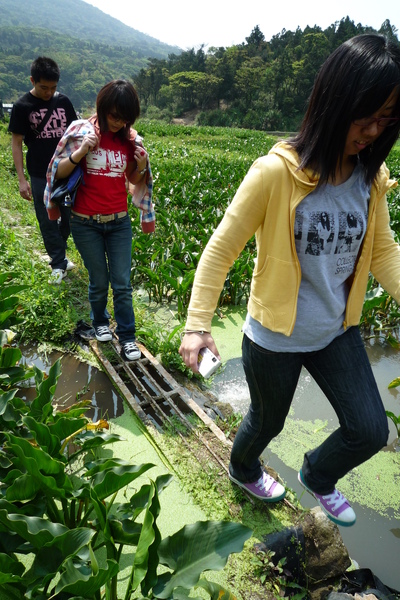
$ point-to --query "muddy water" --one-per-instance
(374, 541)
(77, 379)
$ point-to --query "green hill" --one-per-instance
(80, 20)
(90, 47)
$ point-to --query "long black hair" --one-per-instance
(354, 82)
(120, 97)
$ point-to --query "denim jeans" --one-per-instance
(343, 372)
(106, 250)
(54, 233)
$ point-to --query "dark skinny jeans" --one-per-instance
(54, 233)
(343, 372)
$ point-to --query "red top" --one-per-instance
(104, 191)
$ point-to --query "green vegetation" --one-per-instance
(65, 513)
(381, 314)
(275, 575)
(395, 420)
(196, 174)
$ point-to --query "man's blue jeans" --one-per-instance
(106, 250)
(343, 372)
(54, 233)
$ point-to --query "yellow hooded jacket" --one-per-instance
(265, 205)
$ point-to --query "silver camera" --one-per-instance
(207, 362)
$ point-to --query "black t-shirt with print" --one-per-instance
(27, 113)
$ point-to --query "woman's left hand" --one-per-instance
(141, 158)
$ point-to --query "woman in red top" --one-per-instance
(100, 224)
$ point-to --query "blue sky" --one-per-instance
(227, 22)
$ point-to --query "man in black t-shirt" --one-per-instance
(39, 118)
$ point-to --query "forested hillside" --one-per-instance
(79, 20)
(90, 47)
(258, 84)
(85, 65)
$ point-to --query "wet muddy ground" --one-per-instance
(374, 541)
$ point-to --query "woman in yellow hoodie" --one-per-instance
(307, 292)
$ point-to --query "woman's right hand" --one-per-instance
(89, 141)
(67, 165)
(191, 345)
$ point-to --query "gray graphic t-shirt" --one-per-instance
(329, 228)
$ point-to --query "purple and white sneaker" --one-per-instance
(335, 505)
(266, 488)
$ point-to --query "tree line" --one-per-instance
(258, 84)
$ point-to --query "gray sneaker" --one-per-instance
(103, 333)
(130, 351)
(56, 277)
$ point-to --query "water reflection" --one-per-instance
(374, 541)
(77, 380)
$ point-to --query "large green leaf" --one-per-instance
(9, 357)
(22, 488)
(95, 439)
(182, 594)
(8, 397)
(125, 532)
(50, 558)
(41, 406)
(143, 571)
(43, 436)
(10, 569)
(35, 530)
(79, 579)
(151, 577)
(216, 591)
(9, 290)
(9, 540)
(205, 545)
(6, 318)
(44, 470)
(112, 480)
(101, 513)
(12, 375)
(11, 409)
(66, 425)
(102, 464)
(139, 500)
